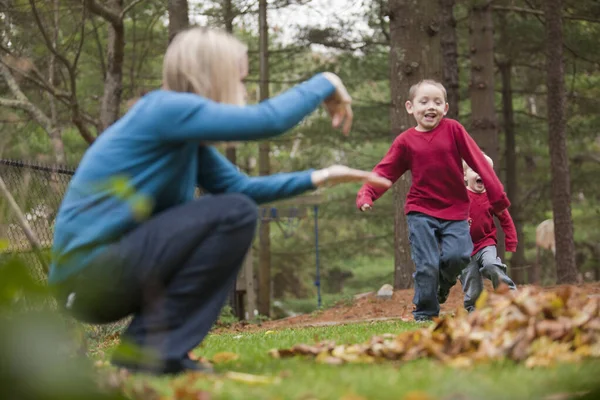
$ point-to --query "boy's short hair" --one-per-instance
(488, 158)
(413, 89)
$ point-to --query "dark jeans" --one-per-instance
(173, 274)
(484, 264)
(440, 249)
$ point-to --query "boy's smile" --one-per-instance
(428, 107)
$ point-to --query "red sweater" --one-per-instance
(434, 159)
(483, 229)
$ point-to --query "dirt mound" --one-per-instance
(370, 308)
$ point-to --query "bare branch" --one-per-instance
(31, 236)
(34, 76)
(540, 12)
(12, 103)
(81, 39)
(85, 117)
(100, 49)
(129, 7)
(40, 25)
(22, 101)
(83, 129)
(78, 117)
(586, 157)
(110, 15)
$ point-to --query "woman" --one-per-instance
(130, 239)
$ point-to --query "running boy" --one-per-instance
(484, 258)
(437, 205)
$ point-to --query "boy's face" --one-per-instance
(428, 107)
(474, 181)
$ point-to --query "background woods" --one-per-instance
(522, 76)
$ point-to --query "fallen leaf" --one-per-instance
(417, 395)
(565, 396)
(352, 396)
(530, 326)
(224, 357)
(189, 393)
(325, 358)
(252, 379)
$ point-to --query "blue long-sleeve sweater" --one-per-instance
(153, 158)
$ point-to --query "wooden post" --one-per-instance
(264, 252)
(251, 305)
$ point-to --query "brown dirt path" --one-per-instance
(369, 308)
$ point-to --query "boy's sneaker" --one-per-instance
(423, 318)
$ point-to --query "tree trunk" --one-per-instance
(566, 270)
(450, 56)
(230, 148)
(484, 128)
(112, 13)
(133, 56)
(481, 87)
(517, 261)
(415, 54)
(178, 16)
(113, 84)
(55, 133)
(228, 15)
(264, 251)
(231, 155)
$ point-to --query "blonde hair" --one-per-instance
(413, 89)
(205, 61)
(488, 158)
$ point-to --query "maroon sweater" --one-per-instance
(434, 159)
(483, 229)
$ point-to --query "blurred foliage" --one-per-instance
(40, 357)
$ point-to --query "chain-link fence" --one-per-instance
(38, 190)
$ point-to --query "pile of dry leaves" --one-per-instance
(530, 326)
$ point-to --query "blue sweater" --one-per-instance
(153, 158)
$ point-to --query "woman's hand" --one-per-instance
(341, 174)
(338, 104)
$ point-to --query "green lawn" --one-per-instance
(368, 274)
(304, 379)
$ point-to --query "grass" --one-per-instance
(304, 379)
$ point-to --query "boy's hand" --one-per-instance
(365, 207)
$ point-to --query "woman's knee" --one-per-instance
(240, 209)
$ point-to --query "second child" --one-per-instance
(485, 262)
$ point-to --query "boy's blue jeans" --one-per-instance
(484, 264)
(440, 249)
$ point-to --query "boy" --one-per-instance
(484, 259)
(437, 205)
